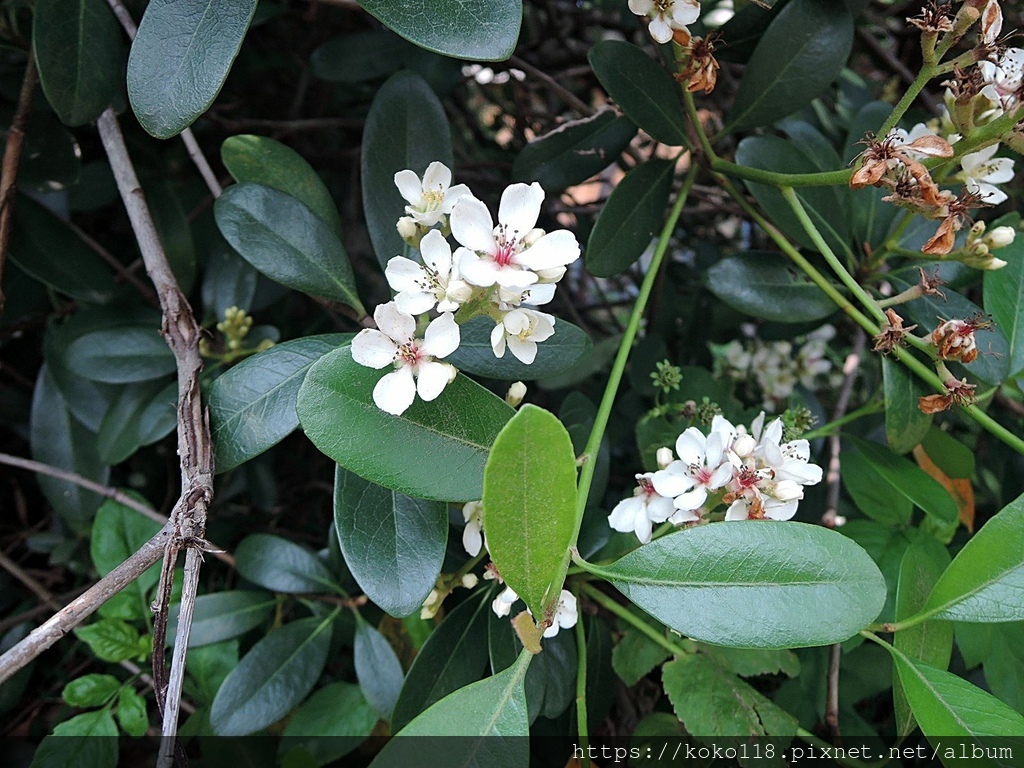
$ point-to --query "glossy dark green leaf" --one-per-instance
(80, 56)
(223, 616)
(228, 281)
(949, 454)
(753, 584)
(1004, 299)
(117, 533)
(377, 669)
(905, 425)
(51, 159)
(286, 241)
(560, 353)
(121, 355)
(453, 656)
(766, 285)
(180, 59)
(529, 505)
(361, 57)
(59, 440)
(574, 151)
(466, 29)
(90, 690)
(262, 160)
(393, 544)
(94, 743)
(405, 129)
(986, 579)
(281, 565)
(630, 218)
(131, 712)
(436, 450)
(641, 88)
(886, 545)
(871, 493)
(252, 406)
(930, 641)
(134, 419)
(331, 723)
(113, 640)
(909, 480)
(173, 228)
(803, 50)
(274, 676)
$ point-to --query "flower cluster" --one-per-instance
(667, 21)
(563, 616)
(754, 472)
(504, 271)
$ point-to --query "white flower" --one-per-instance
(645, 507)
(566, 614)
(516, 393)
(702, 466)
(511, 253)
(1004, 79)
(534, 296)
(666, 15)
(472, 534)
(1000, 237)
(981, 171)
(502, 604)
(431, 198)
(521, 329)
(394, 341)
(434, 282)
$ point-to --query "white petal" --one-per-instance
(684, 12)
(660, 509)
(437, 177)
(409, 186)
(436, 253)
(684, 516)
(641, 7)
(624, 515)
(714, 449)
(555, 249)
(511, 277)
(403, 273)
(472, 540)
(673, 480)
(373, 349)
(395, 392)
(781, 511)
(990, 194)
(498, 340)
(395, 323)
(738, 510)
(660, 30)
(431, 379)
(690, 446)
(442, 336)
(524, 350)
(415, 302)
(539, 294)
(692, 499)
(516, 321)
(473, 226)
(642, 528)
(453, 195)
(520, 207)
(478, 271)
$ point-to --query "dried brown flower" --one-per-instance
(958, 392)
(893, 334)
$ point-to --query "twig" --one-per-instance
(12, 621)
(12, 159)
(195, 447)
(568, 96)
(123, 272)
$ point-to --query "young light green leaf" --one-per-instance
(331, 723)
(1004, 296)
(486, 30)
(274, 676)
(90, 690)
(113, 640)
(641, 88)
(753, 584)
(406, 129)
(224, 615)
(905, 425)
(281, 565)
(131, 712)
(180, 59)
(286, 241)
(377, 669)
(94, 746)
(558, 354)
(79, 53)
(393, 544)
(252, 406)
(435, 450)
(803, 50)
(985, 581)
(765, 285)
(629, 219)
(262, 160)
(529, 505)
(117, 533)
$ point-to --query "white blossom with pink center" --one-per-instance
(433, 197)
(645, 507)
(702, 467)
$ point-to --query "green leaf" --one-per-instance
(377, 669)
(712, 701)
(51, 161)
(121, 355)
(495, 707)
(558, 354)
(753, 584)
(286, 241)
(801, 53)
(112, 640)
(1004, 299)
(529, 505)
(908, 480)
(228, 281)
(180, 59)
(117, 533)
(393, 544)
(209, 665)
(930, 641)
(871, 493)
(131, 712)
(173, 228)
(262, 160)
(766, 285)
(331, 723)
(90, 690)
(252, 406)
(223, 616)
(95, 745)
(905, 425)
(79, 53)
(436, 450)
(454, 656)
(281, 565)
(954, 458)
(361, 57)
(629, 219)
(985, 581)
(406, 128)
(486, 30)
(274, 676)
(136, 418)
(750, 662)
(636, 656)
(574, 151)
(641, 88)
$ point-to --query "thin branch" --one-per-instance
(123, 272)
(11, 162)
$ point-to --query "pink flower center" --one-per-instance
(701, 474)
(508, 247)
(409, 354)
(747, 478)
(646, 486)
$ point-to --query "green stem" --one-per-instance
(826, 430)
(927, 72)
(581, 687)
(819, 179)
(634, 621)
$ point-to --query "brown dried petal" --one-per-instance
(934, 403)
(869, 174)
(943, 240)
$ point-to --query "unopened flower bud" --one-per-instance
(470, 580)
(743, 446)
(409, 231)
(664, 457)
(533, 236)
(515, 394)
(1000, 237)
(431, 605)
(552, 275)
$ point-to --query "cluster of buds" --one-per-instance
(981, 243)
(235, 327)
(504, 272)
